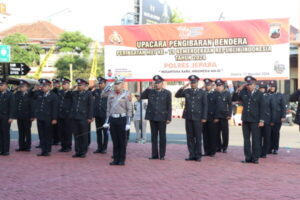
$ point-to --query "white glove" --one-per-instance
(127, 127)
(106, 125)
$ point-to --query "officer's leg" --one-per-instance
(277, 136)
(218, 136)
(144, 128)
(154, 141)
(41, 129)
(122, 139)
(225, 134)
(60, 129)
(6, 136)
(67, 127)
(104, 135)
(48, 136)
(20, 123)
(89, 134)
(114, 137)
(212, 137)
(75, 131)
(137, 130)
(247, 144)
(197, 129)
(190, 138)
(98, 133)
(256, 148)
(265, 135)
(162, 139)
(85, 129)
(206, 138)
(27, 132)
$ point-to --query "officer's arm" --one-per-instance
(169, 106)
(294, 96)
(180, 93)
(273, 109)
(261, 108)
(204, 106)
(129, 110)
(108, 107)
(283, 105)
(54, 107)
(90, 106)
(12, 107)
(229, 104)
(145, 94)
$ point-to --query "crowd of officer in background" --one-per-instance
(64, 113)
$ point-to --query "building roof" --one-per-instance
(41, 30)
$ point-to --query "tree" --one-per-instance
(176, 17)
(21, 50)
(74, 42)
(80, 66)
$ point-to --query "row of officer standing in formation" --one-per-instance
(65, 113)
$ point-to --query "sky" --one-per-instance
(90, 16)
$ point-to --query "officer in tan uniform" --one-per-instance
(119, 110)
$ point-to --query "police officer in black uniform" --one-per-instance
(82, 115)
(24, 114)
(35, 92)
(194, 113)
(252, 117)
(223, 114)
(64, 116)
(209, 128)
(294, 98)
(46, 115)
(268, 119)
(279, 116)
(159, 112)
(100, 106)
(56, 90)
(7, 113)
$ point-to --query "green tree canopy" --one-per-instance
(80, 67)
(21, 51)
(74, 42)
(177, 16)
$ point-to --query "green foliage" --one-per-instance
(74, 42)
(21, 51)
(80, 67)
(177, 17)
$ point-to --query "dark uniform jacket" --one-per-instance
(253, 105)
(293, 98)
(7, 108)
(64, 104)
(159, 104)
(211, 102)
(23, 105)
(46, 106)
(280, 107)
(223, 105)
(82, 105)
(268, 116)
(100, 104)
(195, 103)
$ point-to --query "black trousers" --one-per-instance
(80, 129)
(89, 135)
(158, 128)
(102, 135)
(210, 137)
(45, 131)
(24, 127)
(222, 134)
(265, 139)
(119, 138)
(193, 135)
(4, 135)
(275, 136)
(252, 137)
(56, 136)
(65, 132)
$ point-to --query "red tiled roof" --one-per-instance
(41, 30)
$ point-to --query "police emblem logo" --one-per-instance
(279, 68)
(44, 81)
(248, 78)
(192, 77)
(115, 38)
(275, 29)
